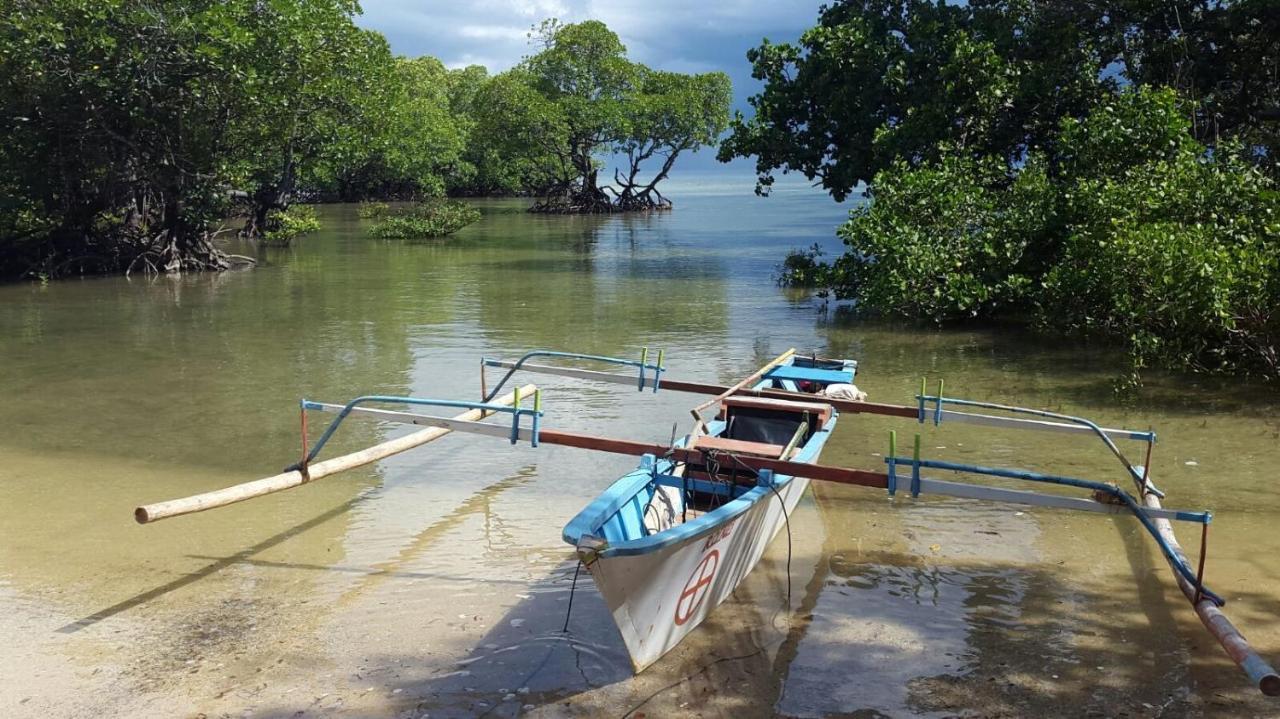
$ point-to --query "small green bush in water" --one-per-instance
(427, 219)
(372, 210)
(286, 225)
(803, 268)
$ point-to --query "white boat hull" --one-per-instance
(659, 597)
(661, 573)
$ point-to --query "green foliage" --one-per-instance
(130, 125)
(127, 122)
(372, 210)
(541, 128)
(1220, 56)
(1101, 169)
(583, 69)
(803, 268)
(415, 145)
(116, 118)
(1180, 258)
(1123, 132)
(883, 81)
(580, 96)
(317, 101)
(886, 81)
(1142, 236)
(284, 226)
(669, 113)
(518, 140)
(425, 219)
(948, 240)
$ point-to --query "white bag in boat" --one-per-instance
(844, 391)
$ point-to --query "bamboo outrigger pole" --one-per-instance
(1213, 618)
(288, 480)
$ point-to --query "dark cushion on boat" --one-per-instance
(766, 427)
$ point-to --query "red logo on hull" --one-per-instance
(696, 589)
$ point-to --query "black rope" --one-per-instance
(573, 588)
(658, 517)
(788, 521)
(711, 463)
(684, 496)
(684, 476)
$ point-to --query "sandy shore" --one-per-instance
(418, 634)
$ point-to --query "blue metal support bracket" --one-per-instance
(642, 365)
(514, 409)
(1150, 437)
(892, 461)
(1128, 500)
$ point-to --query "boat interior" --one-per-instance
(663, 494)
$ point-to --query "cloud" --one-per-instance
(492, 32)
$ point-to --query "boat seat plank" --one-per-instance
(821, 411)
(738, 446)
(810, 374)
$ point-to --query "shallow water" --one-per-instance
(436, 582)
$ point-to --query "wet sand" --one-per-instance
(951, 629)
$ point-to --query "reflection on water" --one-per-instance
(437, 581)
(914, 620)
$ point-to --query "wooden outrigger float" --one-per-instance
(669, 541)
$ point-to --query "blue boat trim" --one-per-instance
(810, 374)
(591, 519)
(915, 470)
(701, 485)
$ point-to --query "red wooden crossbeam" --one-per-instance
(841, 475)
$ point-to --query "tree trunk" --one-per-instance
(268, 198)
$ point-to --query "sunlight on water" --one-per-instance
(437, 581)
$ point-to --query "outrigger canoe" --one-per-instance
(667, 542)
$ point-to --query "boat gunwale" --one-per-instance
(594, 515)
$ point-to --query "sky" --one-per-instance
(677, 35)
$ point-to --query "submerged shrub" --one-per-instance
(803, 268)
(426, 219)
(372, 210)
(283, 226)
